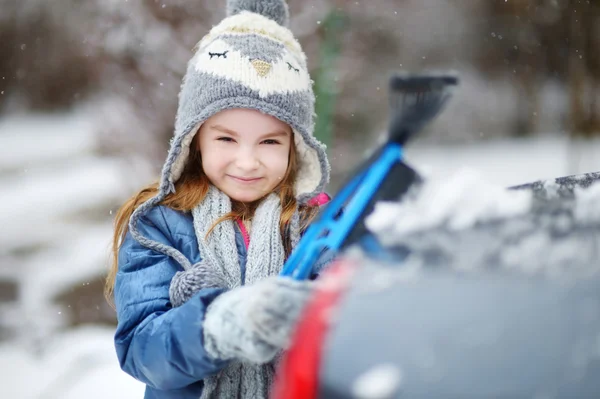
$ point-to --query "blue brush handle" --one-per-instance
(329, 232)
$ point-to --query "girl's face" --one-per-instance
(244, 152)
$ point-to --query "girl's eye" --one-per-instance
(226, 139)
(270, 141)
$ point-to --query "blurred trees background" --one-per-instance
(528, 67)
(58, 54)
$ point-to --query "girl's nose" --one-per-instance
(247, 161)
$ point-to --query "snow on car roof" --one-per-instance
(467, 223)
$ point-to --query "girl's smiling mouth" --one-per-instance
(245, 179)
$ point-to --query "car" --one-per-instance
(461, 289)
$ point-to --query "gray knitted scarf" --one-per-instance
(220, 267)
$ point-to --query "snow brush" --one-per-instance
(415, 100)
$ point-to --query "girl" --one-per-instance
(198, 313)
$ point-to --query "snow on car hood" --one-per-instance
(467, 223)
(458, 201)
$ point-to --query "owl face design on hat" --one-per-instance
(258, 62)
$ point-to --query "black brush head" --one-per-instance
(415, 100)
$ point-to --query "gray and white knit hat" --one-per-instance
(249, 60)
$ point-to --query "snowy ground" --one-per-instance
(75, 365)
(48, 167)
(57, 192)
(510, 162)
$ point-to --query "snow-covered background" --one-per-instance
(47, 248)
(87, 101)
(58, 192)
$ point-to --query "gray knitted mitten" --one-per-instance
(253, 323)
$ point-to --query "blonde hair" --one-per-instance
(190, 190)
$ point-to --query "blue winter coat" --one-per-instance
(156, 343)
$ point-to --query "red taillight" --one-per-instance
(297, 377)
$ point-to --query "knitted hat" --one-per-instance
(249, 60)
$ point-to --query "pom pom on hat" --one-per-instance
(277, 10)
